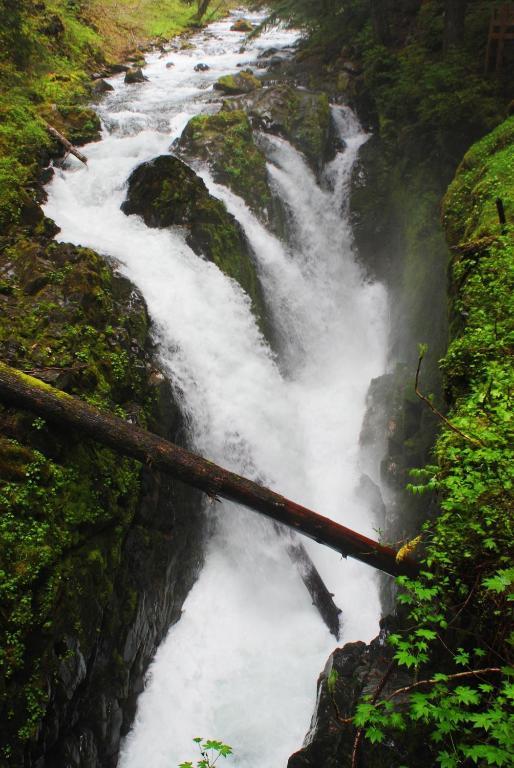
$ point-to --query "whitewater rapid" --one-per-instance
(242, 663)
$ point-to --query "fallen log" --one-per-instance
(64, 141)
(27, 392)
(322, 599)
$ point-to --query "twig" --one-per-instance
(472, 440)
(474, 247)
(457, 676)
(423, 683)
(378, 691)
(466, 602)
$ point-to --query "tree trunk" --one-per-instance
(322, 599)
(202, 8)
(381, 21)
(27, 392)
(454, 23)
(66, 144)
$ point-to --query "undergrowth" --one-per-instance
(460, 642)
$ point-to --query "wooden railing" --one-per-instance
(501, 30)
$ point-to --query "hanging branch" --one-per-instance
(378, 691)
(449, 678)
(26, 392)
(472, 440)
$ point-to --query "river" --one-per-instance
(241, 665)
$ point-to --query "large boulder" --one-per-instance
(301, 116)
(166, 192)
(101, 86)
(242, 25)
(225, 141)
(243, 82)
(135, 75)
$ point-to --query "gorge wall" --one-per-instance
(128, 542)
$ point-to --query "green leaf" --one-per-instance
(461, 657)
(467, 695)
(446, 760)
(375, 735)
(500, 581)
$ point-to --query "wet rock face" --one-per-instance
(160, 561)
(225, 141)
(302, 117)
(351, 672)
(166, 192)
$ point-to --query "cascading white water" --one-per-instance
(241, 664)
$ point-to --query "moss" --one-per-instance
(66, 501)
(166, 192)
(484, 175)
(243, 82)
(307, 123)
(225, 140)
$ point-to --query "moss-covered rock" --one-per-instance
(242, 25)
(301, 116)
(243, 82)
(226, 142)
(166, 192)
(134, 75)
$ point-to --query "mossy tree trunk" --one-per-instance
(27, 392)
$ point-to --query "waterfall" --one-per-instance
(242, 662)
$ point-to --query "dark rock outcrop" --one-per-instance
(135, 75)
(351, 672)
(166, 192)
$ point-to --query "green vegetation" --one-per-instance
(48, 51)
(460, 609)
(66, 502)
(404, 80)
(210, 752)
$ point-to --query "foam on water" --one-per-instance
(242, 663)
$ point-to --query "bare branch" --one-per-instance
(472, 440)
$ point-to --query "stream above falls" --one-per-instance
(242, 663)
